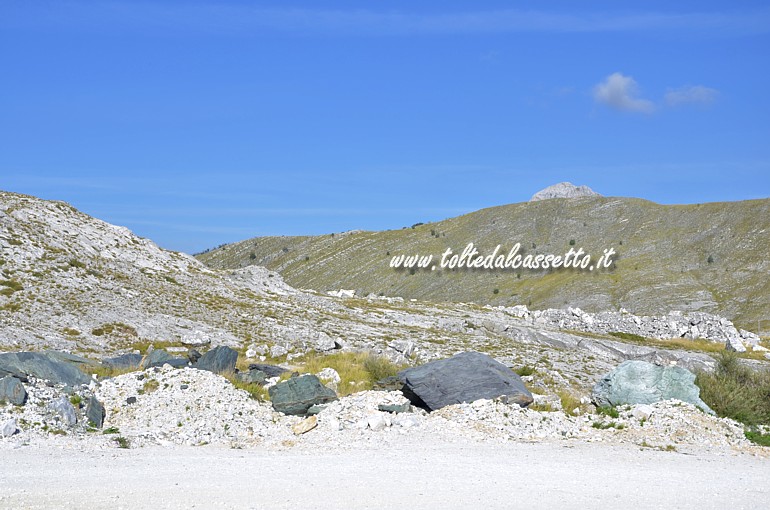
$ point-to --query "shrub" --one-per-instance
(122, 442)
(525, 370)
(736, 391)
(608, 411)
(358, 370)
(572, 242)
(496, 291)
(76, 263)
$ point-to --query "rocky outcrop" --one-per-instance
(693, 325)
(639, 382)
(465, 377)
(563, 190)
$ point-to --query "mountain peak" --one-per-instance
(564, 190)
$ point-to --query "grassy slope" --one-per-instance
(663, 260)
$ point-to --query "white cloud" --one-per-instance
(691, 95)
(621, 93)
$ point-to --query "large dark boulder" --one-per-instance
(95, 412)
(42, 366)
(298, 394)
(269, 370)
(640, 382)
(159, 357)
(12, 391)
(465, 377)
(220, 360)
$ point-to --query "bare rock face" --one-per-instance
(564, 190)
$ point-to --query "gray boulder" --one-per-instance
(465, 377)
(734, 344)
(159, 357)
(640, 382)
(42, 366)
(270, 370)
(298, 394)
(9, 428)
(123, 362)
(65, 410)
(12, 391)
(95, 412)
(220, 360)
(252, 376)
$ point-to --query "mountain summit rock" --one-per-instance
(563, 190)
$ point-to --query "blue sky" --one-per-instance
(199, 123)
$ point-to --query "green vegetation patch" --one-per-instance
(736, 391)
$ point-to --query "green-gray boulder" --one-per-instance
(11, 390)
(640, 382)
(43, 366)
(299, 394)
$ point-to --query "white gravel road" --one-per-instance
(441, 475)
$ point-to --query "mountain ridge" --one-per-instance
(692, 257)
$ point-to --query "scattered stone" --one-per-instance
(193, 355)
(735, 345)
(278, 350)
(65, 410)
(95, 413)
(465, 377)
(642, 412)
(329, 377)
(270, 370)
(305, 425)
(315, 409)
(220, 360)
(131, 400)
(759, 348)
(640, 382)
(9, 428)
(377, 422)
(42, 366)
(196, 339)
(395, 408)
(12, 391)
(405, 347)
(297, 395)
(123, 362)
(325, 343)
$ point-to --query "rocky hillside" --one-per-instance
(702, 257)
(72, 282)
